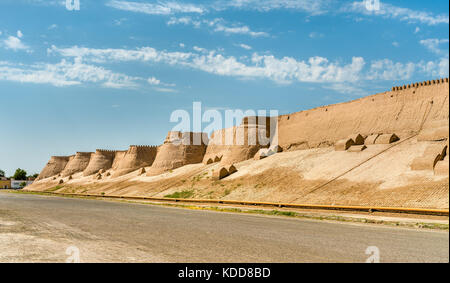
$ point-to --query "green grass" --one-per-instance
(182, 194)
(54, 188)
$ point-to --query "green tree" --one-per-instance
(20, 174)
(2, 173)
(34, 176)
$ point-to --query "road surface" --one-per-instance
(42, 229)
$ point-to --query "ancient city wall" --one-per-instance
(136, 157)
(240, 143)
(118, 157)
(55, 165)
(178, 150)
(402, 111)
(216, 147)
(101, 159)
(77, 164)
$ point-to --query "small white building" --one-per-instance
(18, 184)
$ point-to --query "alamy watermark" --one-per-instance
(73, 5)
(74, 255)
(373, 5)
(374, 254)
(258, 127)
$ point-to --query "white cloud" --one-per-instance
(218, 25)
(19, 34)
(316, 35)
(182, 45)
(245, 46)
(15, 43)
(154, 81)
(120, 21)
(433, 45)
(399, 13)
(313, 7)
(286, 70)
(63, 74)
(395, 44)
(144, 54)
(48, 2)
(200, 49)
(347, 89)
(245, 30)
(184, 21)
(417, 30)
(161, 8)
(435, 68)
(166, 90)
(386, 69)
(53, 26)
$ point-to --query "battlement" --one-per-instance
(143, 146)
(419, 84)
(106, 151)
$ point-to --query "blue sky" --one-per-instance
(110, 74)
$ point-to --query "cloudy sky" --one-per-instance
(110, 74)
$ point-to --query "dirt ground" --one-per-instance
(35, 228)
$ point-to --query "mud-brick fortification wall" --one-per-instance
(77, 164)
(241, 143)
(118, 157)
(135, 158)
(217, 147)
(179, 150)
(55, 165)
(101, 159)
(402, 111)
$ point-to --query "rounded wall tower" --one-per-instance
(101, 159)
(55, 165)
(77, 164)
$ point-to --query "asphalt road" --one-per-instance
(42, 229)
